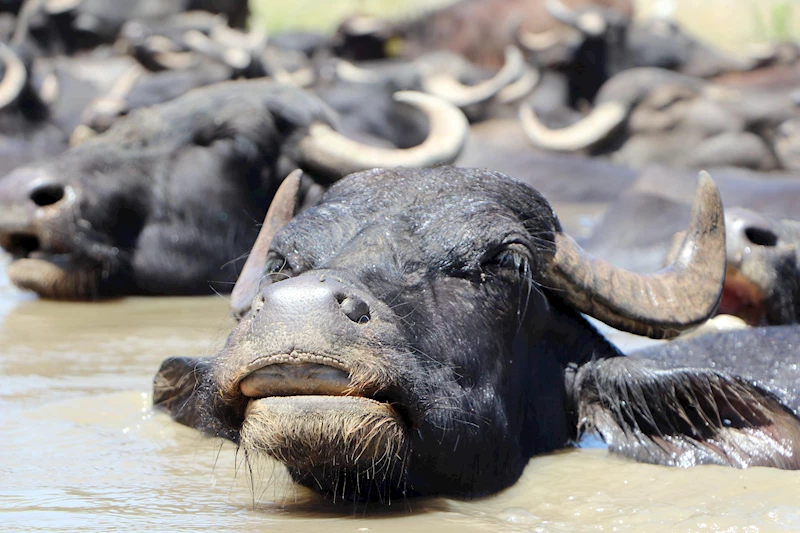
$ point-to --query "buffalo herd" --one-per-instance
(414, 217)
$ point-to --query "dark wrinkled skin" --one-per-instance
(166, 201)
(447, 324)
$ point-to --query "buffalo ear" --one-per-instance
(684, 416)
(177, 389)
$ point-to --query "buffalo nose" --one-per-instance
(45, 194)
(745, 230)
(314, 298)
(23, 193)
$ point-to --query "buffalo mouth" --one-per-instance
(304, 411)
(742, 298)
(50, 271)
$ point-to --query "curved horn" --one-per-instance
(49, 89)
(231, 38)
(589, 131)
(280, 212)
(659, 305)
(448, 88)
(330, 153)
(346, 71)
(520, 88)
(591, 23)
(236, 58)
(15, 78)
(536, 42)
(56, 7)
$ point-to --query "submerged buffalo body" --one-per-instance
(419, 332)
(167, 199)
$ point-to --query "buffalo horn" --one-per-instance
(280, 212)
(236, 58)
(15, 77)
(520, 88)
(228, 37)
(659, 305)
(541, 41)
(351, 73)
(590, 130)
(331, 154)
(56, 7)
(449, 88)
(591, 23)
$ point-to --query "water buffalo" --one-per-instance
(166, 200)
(579, 32)
(418, 332)
(64, 26)
(650, 115)
(443, 74)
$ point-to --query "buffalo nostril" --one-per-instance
(47, 194)
(356, 309)
(761, 236)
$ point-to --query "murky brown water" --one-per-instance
(83, 450)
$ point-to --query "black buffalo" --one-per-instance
(64, 26)
(419, 332)
(167, 199)
(651, 115)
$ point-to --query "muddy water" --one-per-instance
(83, 451)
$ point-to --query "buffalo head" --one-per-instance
(418, 331)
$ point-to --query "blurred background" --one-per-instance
(731, 24)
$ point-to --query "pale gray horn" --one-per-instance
(15, 78)
(280, 212)
(660, 305)
(57, 7)
(589, 22)
(326, 151)
(446, 87)
(587, 132)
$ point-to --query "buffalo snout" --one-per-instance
(27, 197)
(320, 298)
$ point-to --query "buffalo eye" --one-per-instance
(510, 258)
(277, 268)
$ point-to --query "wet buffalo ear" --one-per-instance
(177, 389)
(684, 416)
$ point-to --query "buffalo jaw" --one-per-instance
(314, 414)
(331, 434)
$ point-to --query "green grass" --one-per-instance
(325, 15)
(776, 22)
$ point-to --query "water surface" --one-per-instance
(83, 450)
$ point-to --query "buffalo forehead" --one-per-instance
(414, 217)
